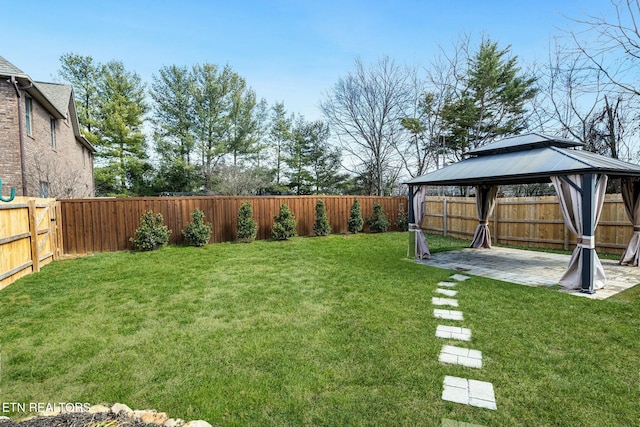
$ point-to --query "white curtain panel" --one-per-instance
(422, 247)
(485, 203)
(570, 200)
(631, 199)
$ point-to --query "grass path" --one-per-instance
(329, 331)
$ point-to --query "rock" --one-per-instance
(5, 419)
(99, 409)
(197, 423)
(121, 407)
(155, 418)
(174, 422)
(137, 414)
(53, 413)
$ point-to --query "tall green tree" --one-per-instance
(83, 73)
(279, 136)
(173, 120)
(120, 141)
(491, 101)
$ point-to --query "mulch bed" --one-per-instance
(108, 419)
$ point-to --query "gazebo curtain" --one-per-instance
(631, 198)
(422, 247)
(485, 202)
(570, 199)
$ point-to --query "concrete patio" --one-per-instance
(530, 268)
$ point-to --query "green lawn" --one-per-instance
(312, 331)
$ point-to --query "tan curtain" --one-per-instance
(631, 199)
(570, 200)
(422, 247)
(485, 202)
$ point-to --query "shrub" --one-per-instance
(378, 222)
(284, 225)
(247, 226)
(197, 232)
(151, 234)
(355, 217)
(321, 227)
(403, 219)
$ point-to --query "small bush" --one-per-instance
(151, 234)
(355, 222)
(247, 226)
(197, 232)
(284, 225)
(403, 219)
(378, 222)
(321, 227)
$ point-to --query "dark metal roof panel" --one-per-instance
(535, 165)
(521, 143)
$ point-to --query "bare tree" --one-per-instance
(613, 46)
(63, 180)
(364, 110)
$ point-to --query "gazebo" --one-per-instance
(579, 178)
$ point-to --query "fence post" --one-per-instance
(495, 220)
(444, 216)
(33, 229)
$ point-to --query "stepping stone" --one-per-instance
(444, 301)
(453, 332)
(461, 356)
(447, 422)
(447, 292)
(448, 314)
(469, 392)
(460, 277)
(447, 284)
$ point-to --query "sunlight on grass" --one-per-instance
(330, 331)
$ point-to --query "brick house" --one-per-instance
(42, 152)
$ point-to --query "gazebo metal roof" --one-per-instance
(525, 159)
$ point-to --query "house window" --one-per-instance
(27, 113)
(44, 190)
(52, 125)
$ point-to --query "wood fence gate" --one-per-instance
(30, 237)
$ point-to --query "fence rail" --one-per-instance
(30, 237)
(530, 221)
(103, 225)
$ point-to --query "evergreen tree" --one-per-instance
(321, 227)
(284, 225)
(83, 74)
(490, 103)
(247, 226)
(355, 222)
(378, 222)
(280, 135)
(120, 142)
(198, 232)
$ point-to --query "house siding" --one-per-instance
(67, 168)
(10, 169)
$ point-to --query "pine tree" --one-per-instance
(355, 222)
(321, 227)
(285, 223)
(378, 222)
(247, 226)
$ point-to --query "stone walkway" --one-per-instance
(455, 389)
(530, 268)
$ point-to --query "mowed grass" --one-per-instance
(312, 331)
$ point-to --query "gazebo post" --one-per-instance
(587, 239)
(411, 218)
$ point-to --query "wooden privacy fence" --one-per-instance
(103, 225)
(530, 221)
(30, 237)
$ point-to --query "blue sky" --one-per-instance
(291, 51)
